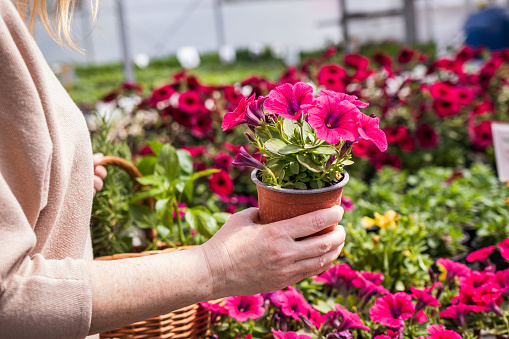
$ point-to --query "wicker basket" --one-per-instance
(188, 322)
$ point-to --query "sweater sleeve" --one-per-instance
(39, 298)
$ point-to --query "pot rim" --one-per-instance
(340, 184)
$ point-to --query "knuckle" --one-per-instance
(273, 233)
(322, 261)
(277, 255)
(325, 246)
(318, 221)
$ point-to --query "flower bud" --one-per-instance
(243, 158)
(344, 149)
(329, 162)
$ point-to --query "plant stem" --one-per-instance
(179, 223)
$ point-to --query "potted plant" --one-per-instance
(304, 143)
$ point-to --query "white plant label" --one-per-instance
(501, 141)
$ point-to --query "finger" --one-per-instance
(100, 171)
(316, 246)
(315, 264)
(98, 183)
(94, 191)
(308, 224)
(302, 276)
(98, 157)
(247, 216)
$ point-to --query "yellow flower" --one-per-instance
(367, 222)
(507, 201)
(443, 272)
(383, 221)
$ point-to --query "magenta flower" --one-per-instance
(254, 112)
(215, 310)
(347, 203)
(382, 336)
(160, 94)
(501, 279)
(343, 96)
(439, 332)
(332, 77)
(457, 312)
(287, 100)
(423, 299)
(288, 335)
(368, 288)
(249, 336)
(392, 309)
(334, 120)
(245, 307)
(190, 102)
(475, 279)
(338, 276)
(452, 269)
(294, 304)
(223, 160)
(243, 158)
(369, 130)
(503, 246)
(375, 278)
(342, 319)
(238, 116)
(427, 136)
(488, 297)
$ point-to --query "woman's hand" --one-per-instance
(99, 172)
(247, 258)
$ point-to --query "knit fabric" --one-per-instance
(46, 190)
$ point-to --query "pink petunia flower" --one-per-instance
(238, 116)
(249, 336)
(458, 313)
(160, 94)
(347, 203)
(501, 279)
(503, 246)
(424, 299)
(369, 130)
(287, 100)
(488, 297)
(190, 102)
(452, 268)
(439, 332)
(288, 335)
(338, 276)
(245, 307)
(374, 277)
(334, 120)
(215, 310)
(293, 303)
(332, 77)
(475, 279)
(343, 96)
(342, 319)
(392, 309)
(383, 336)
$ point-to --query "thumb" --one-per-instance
(248, 216)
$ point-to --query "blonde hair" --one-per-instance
(60, 31)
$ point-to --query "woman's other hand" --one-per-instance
(246, 258)
(99, 172)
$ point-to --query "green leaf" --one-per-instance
(294, 167)
(164, 210)
(185, 161)
(142, 216)
(274, 145)
(154, 180)
(146, 194)
(147, 165)
(169, 162)
(221, 217)
(200, 219)
(289, 127)
(289, 149)
(347, 162)
(309, 164)
(156, 146)
(328, 150)
(203, 173)
(163, 231)
(276, 165)
(300, 185)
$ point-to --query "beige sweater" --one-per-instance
(46, 189)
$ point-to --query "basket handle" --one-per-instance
(130, 168)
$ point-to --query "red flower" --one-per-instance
(201, 125)
(179, 116)
(249, 336)
(289, 335)
(391, 310)
(195, 151)
(361, 148)
(369, 130)
(481, 254)
(356, 61)
(452, 268)
(503, 246)
(237, 117)
(190, 102)
(466, 53)
(443, 91)
(332, 77)
(475, 279)
(221, 183)
(348, 319)
(231, 147)
(405, 55)
(160, 94)
(407, 144)
(395, 133)
(287, 100)
(464, 95)
(439, 332)
(384, 60)
(446, 108)
(426, 136)
(245, 307)
(290, 76)
(482, 135)
(232, 95)
(501, 279)
(329, 52)
(380, 160)
(487, 298)
(146, 150)
(424, 299)
(132, 86)
(223, 160)
(457, 312)
(338, 276)
(293, 303)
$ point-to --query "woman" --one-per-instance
(49, 285)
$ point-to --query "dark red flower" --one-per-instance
(466, 53)
(290, 76)
(482, 135)
(379, 160)
(384, 60)
(195, 151)
(446, 108)
(161, 94)
(357, 61)
(328, 53)
(332, 77)
(407, 143)
(443, 91)
(179, 116)
(223, 160)
(361, 148)
(395, 133)
(406, 55)
(221, 183)
(426, 136)
(231, 147)
(392, 309)
(146, 150)
(482, 108)
(457, 312)
(481, 254)
(132, 86)
(464, 95)
(190, 102)
(201, 125)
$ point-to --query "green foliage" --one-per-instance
(110, 216)
(169, 180)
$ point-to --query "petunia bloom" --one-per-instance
(221, 183)
(439, 332)
(488, 297)
(245, 307)
(503, 246)
(458, 313)
(190, 102)
(293, 304)
(254, 112)
(392, 309)
(424, 299)
(238, 116)
(342, 96)
(451, 269)
(288, 335)
(332, 77)
(287, 100)
(369, 130)
(334, 120)
(342, 319)
(427, 136)
(215, 310)
(338, 276)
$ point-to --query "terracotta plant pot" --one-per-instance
(280, 204)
